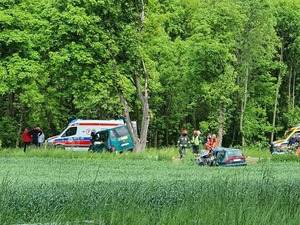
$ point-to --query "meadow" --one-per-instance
(65, 187)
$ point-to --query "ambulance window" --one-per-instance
(70, 132)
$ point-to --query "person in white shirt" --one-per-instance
(41, 139)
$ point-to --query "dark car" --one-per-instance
(229, 157)
(222, 156)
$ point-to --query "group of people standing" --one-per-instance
(184, 142)
(34, 136)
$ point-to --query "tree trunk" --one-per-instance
(294, 90)
(277, 93)
(275, 105)
(20, 127)
(134, 135)
(145, 105)
(139, 143)
(143, 95)
(155, 144)
(243, 105)
(290, 89)
(221, 123)
(291, 94)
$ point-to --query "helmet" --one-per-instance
(195, 132)
(184, 132)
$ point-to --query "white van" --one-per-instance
(77, 135)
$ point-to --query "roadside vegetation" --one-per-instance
(169, 153)
(65, 187)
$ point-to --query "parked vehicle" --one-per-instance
(77, 135)
(222, 156)
(114, 139)
(278, 145)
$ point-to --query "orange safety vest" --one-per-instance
(214, 142)
(208, 144)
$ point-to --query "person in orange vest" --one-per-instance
(214, 141)
(208, 143)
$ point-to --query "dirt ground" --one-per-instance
(252, 160)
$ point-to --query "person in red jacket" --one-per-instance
(26, 138)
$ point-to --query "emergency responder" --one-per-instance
(214, 141)
(196, 142)
(208, 142)
(183, 142)
(293, 140)
(93, 138)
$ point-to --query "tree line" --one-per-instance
(228, 66)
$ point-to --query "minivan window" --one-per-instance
(70, 132)
(103, 136)
(119, 132)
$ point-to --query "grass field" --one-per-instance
(59, 187)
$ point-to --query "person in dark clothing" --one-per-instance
(93, 138)
(183, 142)
(26, 138)
(34, 133)
(293, 140)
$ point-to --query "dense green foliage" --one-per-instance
(227, 66)
(120, 190)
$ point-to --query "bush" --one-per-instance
(285, 158)
(8, 132)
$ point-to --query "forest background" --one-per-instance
(227, 66)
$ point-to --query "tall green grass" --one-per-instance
(150, 153)
(144, 190)
(156, 154)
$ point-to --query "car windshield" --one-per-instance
(234, 152)
(70, 132)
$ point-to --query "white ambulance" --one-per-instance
(77, 135)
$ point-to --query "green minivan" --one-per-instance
(114, 139)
